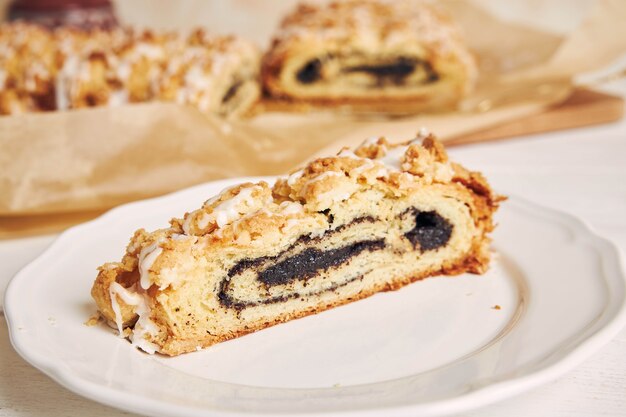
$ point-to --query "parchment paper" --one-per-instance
(58, 168)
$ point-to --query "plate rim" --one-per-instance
(490, 393)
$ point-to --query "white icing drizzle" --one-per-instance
(333, 196)
(289, 207)
(117, 98)
(61, 88)
(291, 223)
(144, 325)
(370, 141)
(224, 213)
(228, 211)
(218, 63)
(216, 197)
(192, 53)
(443, 172)
(206, 218)
(190, 217)
(123, 71)
(187, 223)
(178, 236)
(264, 210)
(181, 96)
(213, 199)
(422, 133)
(367, 163)
(291, 180)
(168, 276)
(132, 247)
(128, 297)
(148, 50)
(197, 80)
(332, 193)
(393, 158)
(324, 175)
(147, 256)
(204, 221)
(84, 73)
(347, 153)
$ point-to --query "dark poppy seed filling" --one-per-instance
(300, 267)
(310, 72)
(232, 91)
(310, 261)
(395, 71)
(228, 301)
(431, 230)
(399, 69)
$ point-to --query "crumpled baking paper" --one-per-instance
(65, 167)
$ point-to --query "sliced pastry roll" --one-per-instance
(339, 230)
(397, 56)
(216, 74)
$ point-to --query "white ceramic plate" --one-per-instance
(435, 347)
(16, 253)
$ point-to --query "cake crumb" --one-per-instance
(497, 307)
(93, 320)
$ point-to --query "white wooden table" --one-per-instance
(581, 171)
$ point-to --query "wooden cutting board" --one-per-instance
(583, 108)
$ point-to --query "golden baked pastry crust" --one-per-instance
(339, 230)
(395, 56)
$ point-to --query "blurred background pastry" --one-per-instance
(68, 68)
(369, 54)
